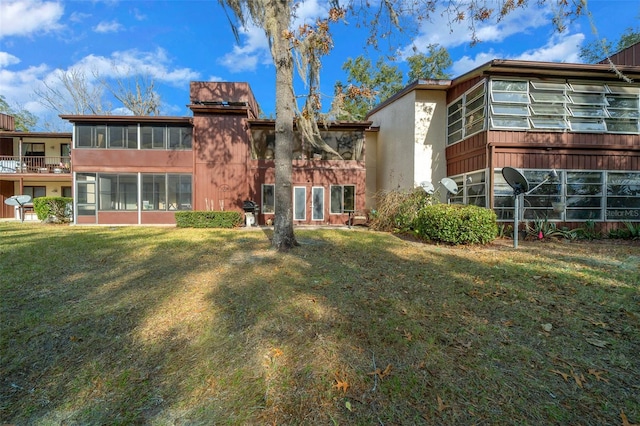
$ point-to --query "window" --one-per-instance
(66, 191)
(35, 191)
(179, 192)
(86, 194)
(563, 106)
(179, 137)
(154, 192)
(65, 150)
(31, 149)
(120, 137)
(317, 203)
(584, 196)
(343, 199)
(118, 192)
(466, 115)
(299, 203)
(90, 136)
(623, 196)
(268, 198)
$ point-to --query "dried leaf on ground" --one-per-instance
(625, 420)
(341, 383)
(381, 373)
(441, 405)
(598, 375)
(565, 376)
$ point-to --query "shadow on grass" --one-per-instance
(167, 326)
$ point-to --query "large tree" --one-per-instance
(368, 85)
(275, 17)
(599, 50)
(24, 120)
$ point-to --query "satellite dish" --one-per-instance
(516, 180)
(450, 184)
(428, 187)
(17, 200)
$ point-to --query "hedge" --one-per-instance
(456, 224)
(208, 219)
(58, 208)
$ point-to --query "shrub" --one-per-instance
(397, 210)
(58, 208)
(456, 224)
(208, 219)
(630, 232)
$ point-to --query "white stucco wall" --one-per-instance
(395, 145)
(429, 159)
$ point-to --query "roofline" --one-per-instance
(432, 84)
(19, 134)
(509, 67)
(548, 69)
(345, 125)
(126, 119)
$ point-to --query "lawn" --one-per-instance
(164, 326)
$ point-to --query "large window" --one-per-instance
(299, 203)
(118, 191)
(471, 189)
(317, 203)
(564, 106)
(179, 192)
(35, 191)
(343, 199)
(577, 195)
(126, 136)
(268, 198)
(623, 196)
(466, 115)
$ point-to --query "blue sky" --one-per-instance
(178, 41)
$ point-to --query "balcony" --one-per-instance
(31, 165)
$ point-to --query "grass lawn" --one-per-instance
(165, 326)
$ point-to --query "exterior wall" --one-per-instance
(396, 144)
(628, 56)
(430, 137)
(467, 155)
(221, 151)
(371, 153)
(310, 174)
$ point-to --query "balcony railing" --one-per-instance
(33, 164)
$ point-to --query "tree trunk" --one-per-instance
(283, 237)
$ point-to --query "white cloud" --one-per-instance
(439, 31)
(563, 47)
(108, 27)
(560, 48)
(7, 59)
(254, 49)
(17, 85)
(79, 17)
(26, 17)
(138, 15)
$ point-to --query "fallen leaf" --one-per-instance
(598, 375)
(348, 405)
(578, 378)
(441, 405)
(341, 383)
(625, 420)
(276, 352)
(508, 323)
(565, 376)
(408, 335)
(597, 342)
(381, 373)
(547, 327)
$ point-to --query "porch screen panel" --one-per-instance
(86, 194)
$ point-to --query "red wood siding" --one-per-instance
(458, 90)
(467, 155)
(132, 161)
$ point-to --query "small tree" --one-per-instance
(24, 120)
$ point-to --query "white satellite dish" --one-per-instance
(450, 184)
(428, 187)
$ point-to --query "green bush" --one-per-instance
(456, 224)
(57, 208)
(208, 219)
(397, 210)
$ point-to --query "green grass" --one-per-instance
(168, 326)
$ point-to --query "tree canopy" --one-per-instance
(24, 120)
(598, 50)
